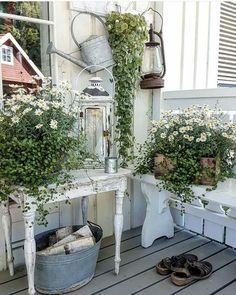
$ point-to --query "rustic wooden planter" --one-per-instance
(162, 165)
(209, 170)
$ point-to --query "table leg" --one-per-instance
(7, 229)
(30, 249)
(118, 222)
(84, 206)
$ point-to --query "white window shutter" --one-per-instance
(227, 45)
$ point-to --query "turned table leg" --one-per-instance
(84, 206)
(7, 229)
(158, 221)
(118, 222)
(30, 249)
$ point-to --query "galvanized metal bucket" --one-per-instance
(58, 274)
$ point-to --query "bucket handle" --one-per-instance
(72, 25)
(103, 68)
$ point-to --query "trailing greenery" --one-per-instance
(127, 33)
(37, 142)
(184, 139)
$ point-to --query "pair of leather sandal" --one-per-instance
(184, 268)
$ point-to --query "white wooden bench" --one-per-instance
(213, 214)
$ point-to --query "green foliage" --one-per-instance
(127, 33)
(184, 138)
(37, 142)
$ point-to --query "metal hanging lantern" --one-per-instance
(96, 118)
(153, 67)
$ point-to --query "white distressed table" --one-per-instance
(85, 183)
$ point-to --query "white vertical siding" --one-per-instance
(191, 36)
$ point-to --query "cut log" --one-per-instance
(82, 232)
(63, 232)
(85, 231)
(79, 245)
(71, 247)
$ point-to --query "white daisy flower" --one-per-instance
(53, 124)
(39, 126)
(38, 112)
(15, 120)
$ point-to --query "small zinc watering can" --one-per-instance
(94, 51)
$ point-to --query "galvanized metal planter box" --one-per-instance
(57, 274)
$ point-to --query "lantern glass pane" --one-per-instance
(152, 61)
(94, 126)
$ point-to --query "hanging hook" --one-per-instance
(150, 8)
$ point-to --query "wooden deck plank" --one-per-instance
(202, 287)
(127, 244)
(13, 286)
(107, 265)
(228, 290)
(5, 276)
(137, 267)
(148, 277)
(128, 234)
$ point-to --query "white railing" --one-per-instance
(212, 215)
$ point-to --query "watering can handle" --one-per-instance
(103, 68)
(72, 25)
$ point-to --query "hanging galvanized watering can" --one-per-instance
(94, 51)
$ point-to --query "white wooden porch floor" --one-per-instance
(137, 272)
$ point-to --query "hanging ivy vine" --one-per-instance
(127, 33)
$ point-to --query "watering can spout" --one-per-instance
(52, 49)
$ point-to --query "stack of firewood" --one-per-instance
(65, 241)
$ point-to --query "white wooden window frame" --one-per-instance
(6, 48)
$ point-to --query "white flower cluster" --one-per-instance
(193, 124)
(38, 101)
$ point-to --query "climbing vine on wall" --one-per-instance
(127, 33)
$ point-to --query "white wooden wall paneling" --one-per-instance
(201, 44)
(213, 39)
(172, 34)
(188, 45)
(193, 28)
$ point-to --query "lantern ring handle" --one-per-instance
(102, 68)
(161, 17)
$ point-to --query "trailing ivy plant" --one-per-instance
(127, 33)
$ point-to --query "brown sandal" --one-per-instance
(192, 271)
(169, 264)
